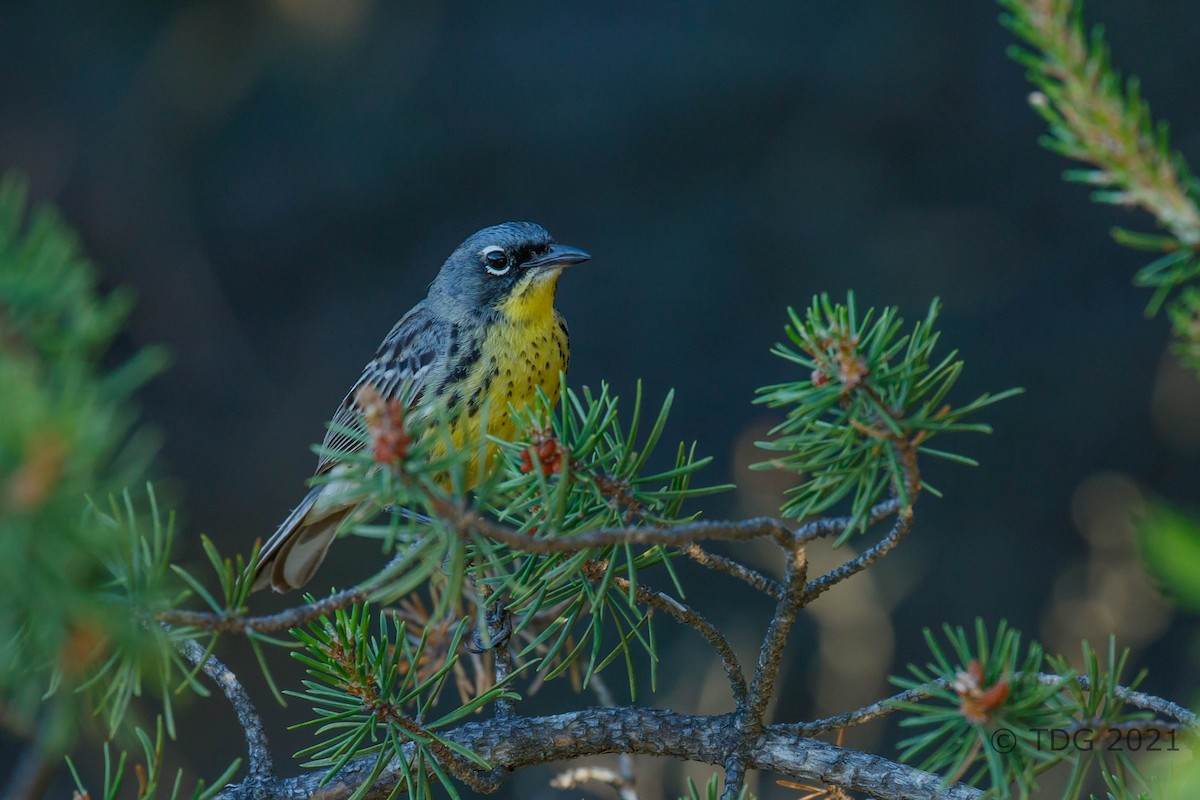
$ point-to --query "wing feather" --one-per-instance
(400, 369)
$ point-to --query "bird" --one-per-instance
(486, 336)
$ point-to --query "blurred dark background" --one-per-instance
(279, 180)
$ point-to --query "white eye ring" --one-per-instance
(486, 253)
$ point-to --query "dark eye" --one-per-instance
(496, 261)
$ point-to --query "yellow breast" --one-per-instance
(522, 349)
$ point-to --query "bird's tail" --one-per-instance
(290, 557)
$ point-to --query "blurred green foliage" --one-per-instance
(68, 431)
(1170, 542)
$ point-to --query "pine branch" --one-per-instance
(283, 620)
(824, 527)
(468, 523)
(685, 615)
(261, 763)
(624, 760)
(519, 743)
(558, 527)
(797, 594)
(472, 523)
(863, 560)
(1096, 121)
(499, 631)
(771, 652)
(808, 532)
(1100, 120)
(728, 566)
(1148, 702)
(851, 719)
(878, 710)
(502, 668)
(515, 743)
(762, 687)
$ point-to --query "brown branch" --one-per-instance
(797, 595)
(728, 566)
(906, 453)
(771, 653)
(685, 615)
(499, 630)
(882, 708)
(522, 742)
(624, 762)
(283, 620)
(735, 776)
(1100, 126)
(468, 522)
(833, 526)
(784, 749)
(259, 751)
(1140, 700)
(502, 663)
(808, 532)
(865, 559)
(862, 716)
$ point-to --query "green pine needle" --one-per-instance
(868, 399)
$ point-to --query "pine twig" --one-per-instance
(771, 652)
(469, 522)
(797, 594)
(906, 453)
(1096, 122)
(863, 560)
(688, 616)
(882, 708)
(267, 623)
(717, 563)
(499, 629)
(472, 523)
(259, 751)
(735, 776)
(750, 713)
(1143, 701)
(834, 526)
(869, 713)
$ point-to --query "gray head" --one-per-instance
(501, 265)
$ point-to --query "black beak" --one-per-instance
(558, 256)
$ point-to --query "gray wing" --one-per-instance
(399, 369)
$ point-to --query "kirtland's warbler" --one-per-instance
(487, 336)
